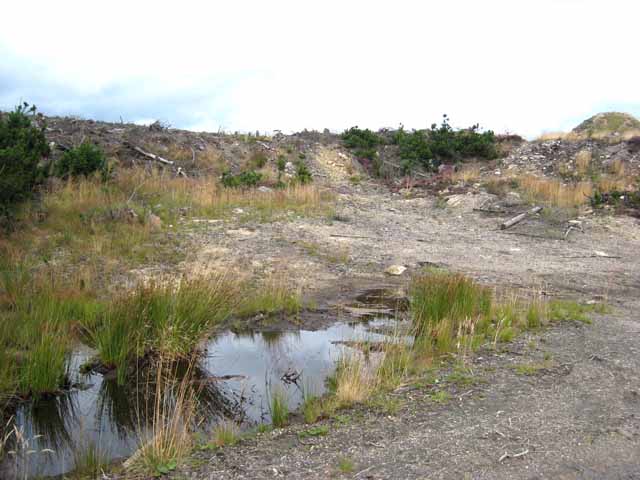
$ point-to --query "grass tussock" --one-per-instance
(166, 437)
(226, 433)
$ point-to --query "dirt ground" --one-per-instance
(576, 418)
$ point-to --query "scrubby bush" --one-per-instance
(84, 160)
(426, 148)
(363, 142)
(249, 178)
(22, 147)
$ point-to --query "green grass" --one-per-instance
(528, 369)
(311, 408)
(225, 434)
(273, 297)
(441, 297)
(279, 409)
(346, 465)
(90, 461)
(160, 318)
(440, 396)
(567, 310)
(318, 431)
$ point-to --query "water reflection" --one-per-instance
(231, 381)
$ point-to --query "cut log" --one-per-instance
(518, 218)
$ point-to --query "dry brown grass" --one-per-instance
(610, 184)
(354, 381)
(617, 168)
(556, 193)
(576, 137)
(583, 162)
(467, 174)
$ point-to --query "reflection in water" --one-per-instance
(232, 381)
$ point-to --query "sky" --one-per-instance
(519, 66)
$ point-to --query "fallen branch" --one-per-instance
(518, 218)
(400, 168)
(152, 156)
(336, 235)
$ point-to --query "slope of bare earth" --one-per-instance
(577, 417)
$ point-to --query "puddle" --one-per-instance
(238, 370)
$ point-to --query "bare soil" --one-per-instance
(577, 416)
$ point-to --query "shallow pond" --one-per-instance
(239, 371)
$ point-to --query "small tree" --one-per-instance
(83, 160)
(22, 147)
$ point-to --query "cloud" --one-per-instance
(524, 66)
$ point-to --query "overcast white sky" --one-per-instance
(524, 66)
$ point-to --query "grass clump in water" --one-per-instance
(353, 381)
(167, 319)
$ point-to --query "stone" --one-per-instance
(154, 222)
(395, 270)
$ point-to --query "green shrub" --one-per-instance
(84, 160)
(362, 142)
(414, 149)
(449, 144)
(302, 172)
(258, 160)
(249, 178)
(22, 147)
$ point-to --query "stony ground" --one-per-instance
(576, 417)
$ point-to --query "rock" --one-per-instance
(264, 189)
(154, 222)
(512, 199)
(395, 270)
